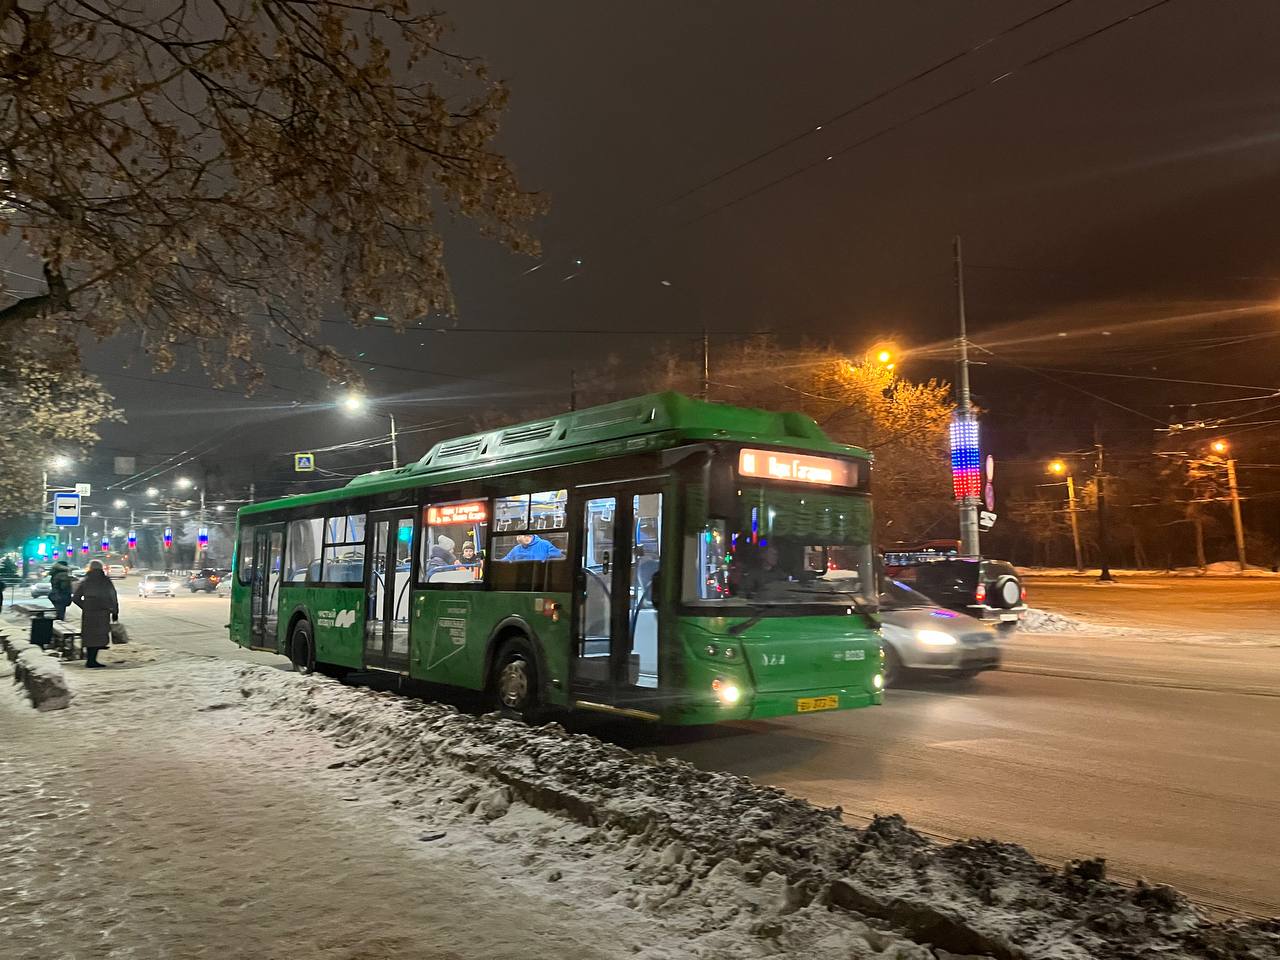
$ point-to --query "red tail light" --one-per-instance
(980, 595)
(1024, 594)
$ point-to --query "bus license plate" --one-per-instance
(810, 704)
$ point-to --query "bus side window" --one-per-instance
(455, 547)
(302, 555)
(244, 554)
(343, 558)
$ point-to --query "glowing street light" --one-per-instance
(355, 403)
(884, 356)
(1058, 468)
(184, 483)
(120, 503)
(153, 492)
(60, 462)
(1218, 446)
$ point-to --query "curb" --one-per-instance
(39, 673)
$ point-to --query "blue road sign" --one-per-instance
(66, 509)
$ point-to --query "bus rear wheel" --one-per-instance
(302, 648)
(515, 681)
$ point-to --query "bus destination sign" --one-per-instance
(471, 512)
(797, 468)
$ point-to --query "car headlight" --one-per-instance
(935, 638)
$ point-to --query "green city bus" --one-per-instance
(660, 557)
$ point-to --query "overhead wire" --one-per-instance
(932, 108)
(868, 101)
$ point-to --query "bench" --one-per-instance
(66, 638)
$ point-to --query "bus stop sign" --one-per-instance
(66, 509)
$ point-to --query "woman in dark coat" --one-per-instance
(96, 598)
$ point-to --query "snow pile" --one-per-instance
(41, 675)
(1046, 621)
(744, 859)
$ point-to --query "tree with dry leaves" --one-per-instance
(190, 172)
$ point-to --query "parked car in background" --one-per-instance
(155, 585)
(918, 635)
(41, 588)
(989, 590)
(78, 572)
(116, 571)
(206, 579)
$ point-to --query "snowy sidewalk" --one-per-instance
(155, 820)
(187, 808)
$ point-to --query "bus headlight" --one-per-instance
(935, 638)
(878, 681)
(726, 690)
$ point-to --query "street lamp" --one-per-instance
(1220, 448)
(354, 403)
(184, 483)
(119, 503)
(153, 492)
(1058, 468)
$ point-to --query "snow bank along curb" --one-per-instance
(689, 829)
(39, 673)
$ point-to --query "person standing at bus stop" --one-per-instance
(60, 588)
(96, 598)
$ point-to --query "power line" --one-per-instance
(945, 102)
(874, 98)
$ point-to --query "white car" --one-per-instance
(918, 635)
(155, 585)
(116, 571)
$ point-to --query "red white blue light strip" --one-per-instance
(966, 458)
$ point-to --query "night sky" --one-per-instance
(1114, 184)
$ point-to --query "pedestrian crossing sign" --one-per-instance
(304, 462)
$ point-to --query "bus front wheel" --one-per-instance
(302, 648)
(515, 680)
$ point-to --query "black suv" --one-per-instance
(206, 579)
(987, 589)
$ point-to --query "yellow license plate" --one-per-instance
(810, 704)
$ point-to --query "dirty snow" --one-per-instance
(189, 808)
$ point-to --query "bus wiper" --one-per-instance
(757, 614)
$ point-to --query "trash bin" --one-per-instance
(41, 631)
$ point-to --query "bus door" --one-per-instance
(264, 613)
(388, 584)
(616, 608)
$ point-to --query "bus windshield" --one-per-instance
(783, 548)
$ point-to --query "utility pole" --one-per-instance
(252, 489)
(970, 545)
(1235, 511)
(196, 563)
(1075, 522)
(706, 365)
(395, 452)
(1104, 545)
(573, 389)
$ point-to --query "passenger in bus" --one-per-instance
(468, 557)
(442, 554)
(530, 546)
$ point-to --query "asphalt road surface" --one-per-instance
(1158, 749)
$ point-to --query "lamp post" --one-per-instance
(1058, 468)
(354, 403)
(186, 483)
(54, 463)
(1220, 447)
